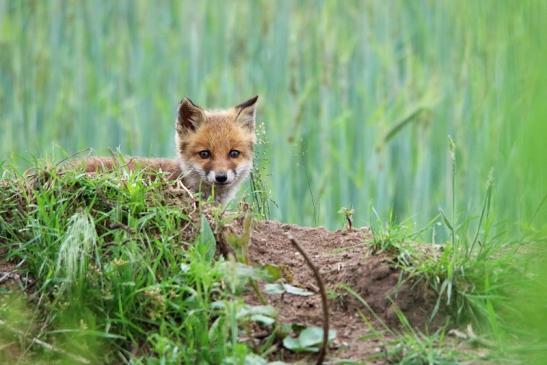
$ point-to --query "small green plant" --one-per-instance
(259, 195)
(414, 348)
(279, 288)
(308, 340)
(468, 275)
(347, 213)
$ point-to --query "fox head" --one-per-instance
(216, 147)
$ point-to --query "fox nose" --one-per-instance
(221, 177)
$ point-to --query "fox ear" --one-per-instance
(189, 116)
(246, 112)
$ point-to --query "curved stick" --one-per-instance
(324, 303)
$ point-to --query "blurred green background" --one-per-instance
(358, 98)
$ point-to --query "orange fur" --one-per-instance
(98, 164)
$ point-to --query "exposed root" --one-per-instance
(324, 303)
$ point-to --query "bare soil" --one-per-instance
(345, 258)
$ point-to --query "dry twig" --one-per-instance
(324, 303)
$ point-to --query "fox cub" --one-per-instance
(214, 148)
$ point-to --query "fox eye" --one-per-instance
(234, 154)
(204, 154)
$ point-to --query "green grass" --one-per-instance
(479, 280)
(119, 274)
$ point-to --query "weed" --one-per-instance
(123, 263)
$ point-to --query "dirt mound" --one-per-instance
(366, 290)
(345, 259)
(347, 262)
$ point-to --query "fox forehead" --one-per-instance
(219, 137)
